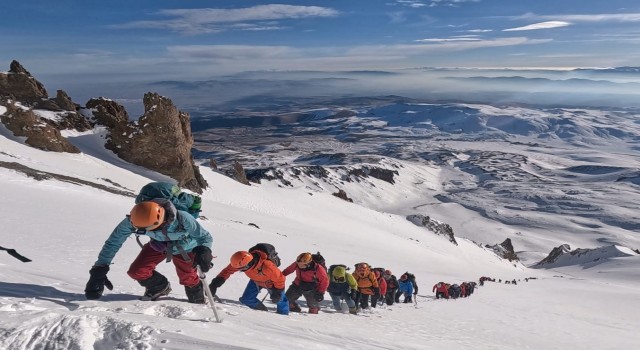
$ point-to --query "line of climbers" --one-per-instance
(168, 217)
(312, 280)
(453, 291)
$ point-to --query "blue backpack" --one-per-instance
(181, 200)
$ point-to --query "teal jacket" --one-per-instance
(184, 230)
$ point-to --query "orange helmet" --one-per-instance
(304, 258)
(241, 260)
(147, 215)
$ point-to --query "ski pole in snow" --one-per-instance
(207, 292)
(15, 254)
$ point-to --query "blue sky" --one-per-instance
(193, 39)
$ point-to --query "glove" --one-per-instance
(215, 283)
(318, 296)
(97, 281)
(276, 295)
(202, 257)
(354, 294)
(376, 290)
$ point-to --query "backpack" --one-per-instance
(362, 270)
(319, 259)
(268, 249)
(181, 200)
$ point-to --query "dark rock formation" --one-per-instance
(505, 250)
(238, 173)
(435, 226)
(19, 85)
(108, 112)
(160, 140)
(24, 123)
(64, 101)
(375, 172)
(554, 255)
(343, 195)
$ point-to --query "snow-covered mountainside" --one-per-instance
(59, 208)
(530, 170)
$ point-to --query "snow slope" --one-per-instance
(61, 226)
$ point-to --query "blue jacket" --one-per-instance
(405, 286)
(185, 230)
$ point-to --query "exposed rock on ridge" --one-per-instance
(160, 140)
(20, 85)
(435, 226)
(23, 122)
(505, 250)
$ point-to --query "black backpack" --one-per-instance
(268, 249)
(319, 259)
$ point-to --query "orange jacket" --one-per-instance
(265, 273)
(366, 282)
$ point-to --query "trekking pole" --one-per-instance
(15, 254)
(207, 292)
(265, 297)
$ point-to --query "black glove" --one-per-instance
(202, 257)
(318, 296)
(215, 283)
(376, 290)
(97, 281)
(276, 295)
(354, 294)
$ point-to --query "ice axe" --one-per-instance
(207, 292)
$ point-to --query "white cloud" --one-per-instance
(436, 40)
(231, 52)
(541, 25)
(619, 17)
(479, 30)
(209, 20)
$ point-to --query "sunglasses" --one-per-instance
(340, 279)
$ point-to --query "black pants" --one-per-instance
(390, 297)
(362, 300)
(294, 293)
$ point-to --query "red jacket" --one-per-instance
(315, 273)
(383, 286)
(265, 273)
(443, 289)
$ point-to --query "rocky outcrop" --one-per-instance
(160, 140)
(107, 112)
(343, 195)
(64, 101)
(505, 250)
(239, 174)
(23, 122)
(18, 84)
(435, 226)
(556, 253)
